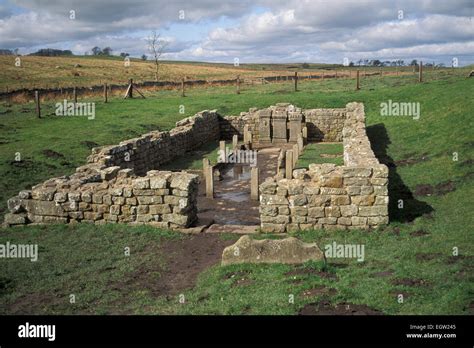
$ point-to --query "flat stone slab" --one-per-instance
(288, 251)
(239, 229)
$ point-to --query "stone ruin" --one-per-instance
(124, 184)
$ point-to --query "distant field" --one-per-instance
(55, 72)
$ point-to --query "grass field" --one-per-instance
(412, 256)
(55, 72)
(321, 153)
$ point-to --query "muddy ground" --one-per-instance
(232, 204)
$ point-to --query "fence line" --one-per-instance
(54, 93)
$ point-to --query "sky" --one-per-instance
(252, 31)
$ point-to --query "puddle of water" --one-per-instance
(237, 173)
(233, 196)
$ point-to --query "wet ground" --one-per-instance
(232, 204)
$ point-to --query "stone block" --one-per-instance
(340, 200)
(150, 199)
(272, 228)
(273, 199)
(288, 250)
(319, 200)
(363, 200)
(269, 210)
(158, 182)
(375, 210)
(349, 210)
(297, 200)
(141, 184)
(14, 219)
(332, 211)
(331, 181)
(316, 212)
(15, 205)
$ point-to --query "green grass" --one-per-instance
(314, 153)
(86, 259)
(77, 260)
(193, 160)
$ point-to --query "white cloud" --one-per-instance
(281, 30)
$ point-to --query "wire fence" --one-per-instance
(360, 75)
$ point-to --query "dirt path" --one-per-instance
(186, 259)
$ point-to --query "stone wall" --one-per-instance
(322, 124)
(328, 196)
(325, 124)
(234, 125)
(163, 199)
(153, 149)
(120, 183)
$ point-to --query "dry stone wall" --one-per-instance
(322, 124)
(328, 196)
(120, 183)
(153, 149)
(123, 184)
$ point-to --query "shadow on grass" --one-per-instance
(412, 208)
(193, 159)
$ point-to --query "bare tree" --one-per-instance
(156, 46)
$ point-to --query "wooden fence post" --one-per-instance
(238, 84)
(129, 93)
(357, 79)
(105, 93)
(182, 87)
(420, 72)
(38, 106)
(296, 81)
(74, 95)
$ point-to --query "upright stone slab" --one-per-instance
(289, 164)
(295, 118)
(222, 150)
(254, 183)
(264, 124)
(304, 131)
(205, 165)
(210, 182)
(300, 143)
(279, 118)
(235, 141)
(296, 154)
(246, 134)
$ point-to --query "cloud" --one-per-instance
(253, 31)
